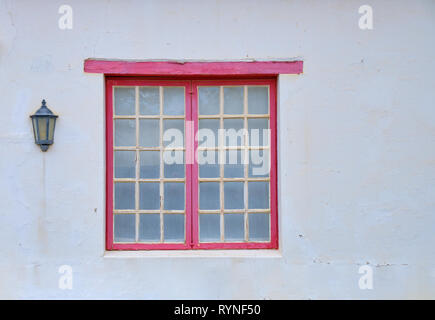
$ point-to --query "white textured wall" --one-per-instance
(356, 147)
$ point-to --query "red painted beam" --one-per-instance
(168, 68)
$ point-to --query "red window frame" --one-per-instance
(192, 182)
(192, 74)
(110, 244)
(273, 244)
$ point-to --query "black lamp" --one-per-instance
(43, 122)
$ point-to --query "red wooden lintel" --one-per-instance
(168, 68)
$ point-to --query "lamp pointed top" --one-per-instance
(44, 106)
(43, 111)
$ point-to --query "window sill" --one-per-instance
(195, 254)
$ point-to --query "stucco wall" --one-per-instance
(356, 147)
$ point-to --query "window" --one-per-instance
(191, 164)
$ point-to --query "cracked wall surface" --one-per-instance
(356, 147)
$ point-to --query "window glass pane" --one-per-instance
(234, 227)
(233, 195)
(233, 132)
(124, 195)
(208, 100)
(174, 196)
(209, 227)
(233, 100)
(150, 164)
(208, 133)
(174, 227)
(125, 100)
(258, 226)
(210, 168)
(124, 227)
(259, 164)
(149, 196)
(149, 133)
(209, 196)
(125, 164)
(173, 100)
(258, 100)
(173, 135)
(234, 167)
(149, 227)
(125, 133)
(149, 100)
(258, 133)
(258, 195)
(174, 164)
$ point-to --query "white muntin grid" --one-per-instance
(137, 148)
(222, 149)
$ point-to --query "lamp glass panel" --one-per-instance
(35, 129)
(51, 123)
(42, 128)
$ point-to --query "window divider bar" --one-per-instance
(232, 116)
(190, 167)
(246, 162)
(236, 211)
(137, 166)
(131, 211)
(265, 179)
(221, 166)
(148, 148)
(234, 148)
(149, 180)
(145, 211)
(148, 117)
(162, 199)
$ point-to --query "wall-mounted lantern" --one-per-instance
(43, 122)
